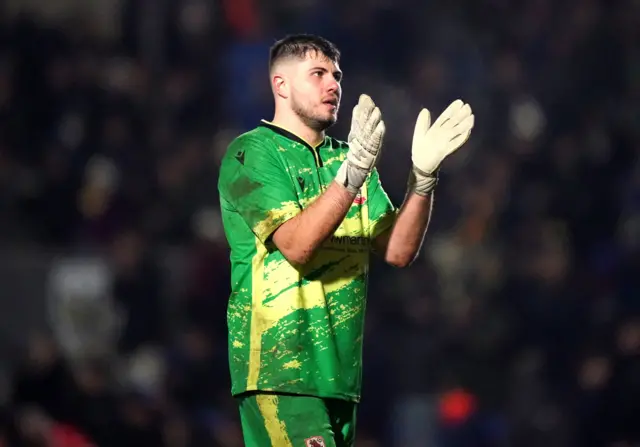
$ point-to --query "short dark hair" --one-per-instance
(299, 45)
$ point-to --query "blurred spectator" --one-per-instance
(37, 429)
(136, 290)
(43, 379)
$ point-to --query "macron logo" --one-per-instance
(359, 200)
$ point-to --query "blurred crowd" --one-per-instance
(519, 325)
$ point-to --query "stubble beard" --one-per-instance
(311, 119)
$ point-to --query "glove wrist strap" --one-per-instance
(422, 183)
(349, 177)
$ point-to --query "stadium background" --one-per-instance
(518, 325)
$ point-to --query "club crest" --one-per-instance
(316, 441)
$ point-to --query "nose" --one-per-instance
(333, 85)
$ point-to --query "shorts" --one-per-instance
(288, 420)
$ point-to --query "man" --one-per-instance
(302, 212)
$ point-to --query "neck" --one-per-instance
(295, 125)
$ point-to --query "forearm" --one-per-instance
(407, 234)
(299, 238)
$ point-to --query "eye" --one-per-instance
(317, 73)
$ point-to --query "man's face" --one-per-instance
(315, 91)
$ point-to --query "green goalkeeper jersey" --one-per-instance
(295, 330)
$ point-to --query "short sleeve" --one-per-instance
(254, 183)
(382, 213)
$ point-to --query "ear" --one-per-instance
(280, 85)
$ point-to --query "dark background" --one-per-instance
(518, 325)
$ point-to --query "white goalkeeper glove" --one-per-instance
(365, 142)
(433, 143)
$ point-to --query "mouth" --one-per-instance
(333, 102)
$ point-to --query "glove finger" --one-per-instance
(372, 122)
(423, 122)
(356, 122)
(465, 125)
(450, 111)
(360, 114)
(461, 115)
(458, 141)
(366, 102)
(366, 106)
(355, 118)
(378, 135)
(373, 140)
(356, 115)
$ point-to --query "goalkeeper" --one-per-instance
(302, 212)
